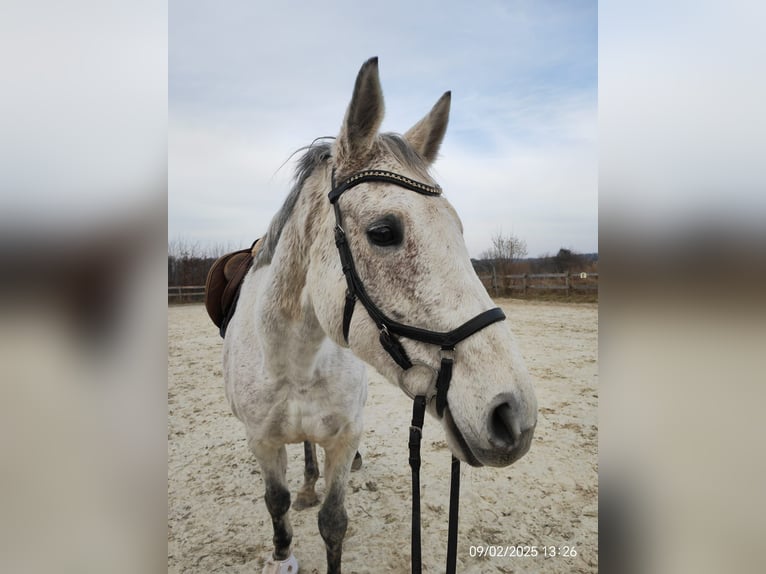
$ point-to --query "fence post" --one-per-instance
(569, 283)
(524, 284)
(494, 281)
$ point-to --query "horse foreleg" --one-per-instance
(273, 464)
(307, 495)
(333, 519)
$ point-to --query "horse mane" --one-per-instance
(316, 154)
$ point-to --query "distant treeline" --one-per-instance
(565, 261)
(188, 263)
(186, 271)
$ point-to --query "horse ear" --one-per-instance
(426, 136)
(363, 116)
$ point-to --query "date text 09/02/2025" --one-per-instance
(497, 551)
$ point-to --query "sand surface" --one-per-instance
(217, 520)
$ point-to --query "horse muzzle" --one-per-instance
(509, 433)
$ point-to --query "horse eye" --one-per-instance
(386, 232)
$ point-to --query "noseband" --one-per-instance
(390, 331)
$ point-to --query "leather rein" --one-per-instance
(390, 331)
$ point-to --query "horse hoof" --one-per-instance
(289, 566)
(305, 500)
(357, 464)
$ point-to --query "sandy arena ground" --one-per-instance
(217, 520)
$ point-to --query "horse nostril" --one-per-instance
(504, 428)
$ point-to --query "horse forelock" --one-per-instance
(388, 151)
(404, 154)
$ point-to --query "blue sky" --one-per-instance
(249, 83)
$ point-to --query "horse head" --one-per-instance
(406, 245)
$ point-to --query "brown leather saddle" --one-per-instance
(223, 284)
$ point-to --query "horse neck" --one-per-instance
(287, 289)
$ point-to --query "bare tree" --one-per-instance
(505, 250)
(500, 259)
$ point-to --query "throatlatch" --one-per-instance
(390, 331)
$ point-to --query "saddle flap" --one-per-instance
(223, 282)
(232, 265)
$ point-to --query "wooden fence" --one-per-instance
(497, 285)
(509, 285)
(182, 294)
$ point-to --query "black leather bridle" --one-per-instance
(390, 331)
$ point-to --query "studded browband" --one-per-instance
(381, 176)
